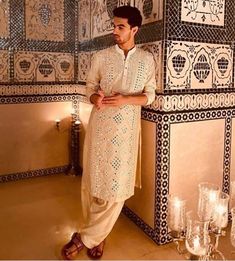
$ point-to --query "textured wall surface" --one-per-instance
(46, 50)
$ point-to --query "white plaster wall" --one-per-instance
(196, 155)
(29, 139)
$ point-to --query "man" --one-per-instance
(120, 81)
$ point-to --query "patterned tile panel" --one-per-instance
(43, 67)
(102, 13)
(193, 102)
(34, 173)
(156, 49)
(42, 89)
(215, 32)
(84, 63)
(84, 20)
(4, 18)
(44, 20)
(192, 65)
(4, 64)
(203, 12)
(151, 10)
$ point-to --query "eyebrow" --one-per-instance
(120, 25)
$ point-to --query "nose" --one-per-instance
(115, 30)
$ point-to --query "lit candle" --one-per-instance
(220, 216)
(177, 212)
(197, 249)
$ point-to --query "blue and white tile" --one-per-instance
(4, 18)
(84, 63)
(44, 20)
(192, 65)
(43, 67)
(156, 49)
(203, 11)
(84, 22)
(151, 10)
(4, 64)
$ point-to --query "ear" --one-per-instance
(135, 29)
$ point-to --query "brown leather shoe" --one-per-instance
(73, 247)
(97, 251)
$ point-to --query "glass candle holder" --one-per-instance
(208, 196)
(176, 215)
(232, 234)
(220, 214)
(197, 235)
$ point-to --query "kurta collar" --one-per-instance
(119, 50)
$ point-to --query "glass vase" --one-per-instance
(208, 196)
(197, 235)
(176, 215)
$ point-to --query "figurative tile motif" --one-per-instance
(4, 64)
(44, 20)
(198, 65)
(43, 67)
(203, 11)
(4, 18)
(151, 10)
(84, 20)
(156, 49)
(84, 63)
(102, 13)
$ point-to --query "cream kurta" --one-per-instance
(113, 134)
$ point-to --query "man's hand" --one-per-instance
(115, 100)
(97, 99)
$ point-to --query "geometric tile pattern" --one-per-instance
(192, 65)
(44, 20)
(4, 18)
(43, 89)
(43, 67)
(163, 122)
(33, 173)
(84, 21)
(4, 65)
(203, 12)
(193, 101)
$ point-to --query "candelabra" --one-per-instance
(197, 229)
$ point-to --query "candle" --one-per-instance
(220, 216)
(176, 213)
(197, 249)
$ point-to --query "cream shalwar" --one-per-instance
(113, 135)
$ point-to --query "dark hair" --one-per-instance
(131, 13)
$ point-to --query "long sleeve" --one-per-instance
(150, 85)
(93, 78)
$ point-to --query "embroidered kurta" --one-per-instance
(113, 135)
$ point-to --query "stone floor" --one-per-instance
(38, 216)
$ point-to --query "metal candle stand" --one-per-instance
(75, 168)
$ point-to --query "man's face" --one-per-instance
(122, 31)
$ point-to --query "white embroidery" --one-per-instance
(112, 138)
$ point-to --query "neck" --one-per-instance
(126, 47)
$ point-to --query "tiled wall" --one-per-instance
(38, 75)
(46, 49)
